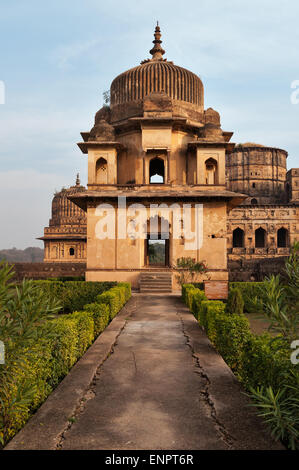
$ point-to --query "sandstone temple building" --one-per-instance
(154, 145)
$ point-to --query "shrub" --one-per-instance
(185, 288)
(100, 314)
(198, 297)
(112, 300)
(73, 295)
(231, 333)
(128, 290)
(84, 325)
(265, 362)
(251, 293)
(235, 302)
(207, 315)
(63, 348)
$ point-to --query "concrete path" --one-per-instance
(163, 386)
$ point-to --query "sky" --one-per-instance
(58, 58)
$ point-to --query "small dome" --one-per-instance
(102, 131)
(65, 211)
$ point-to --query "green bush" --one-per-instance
(73, 295)
(115, 298)
(231, 333)
(101, 316)
(198, 297)
(207, 316)
(235, 302)
(63, 347)
(128, 290)
(265, 362)
(185, 288)
(249, 291)
(84, 325)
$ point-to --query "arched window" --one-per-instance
(71, 251)
(253, 201)
(211, 171)
(156, 171)
(238, 238)
(260, 238)
(282, 238)
(101, 171)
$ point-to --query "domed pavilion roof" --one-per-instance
(157, 75)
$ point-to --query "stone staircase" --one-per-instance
(155, 282)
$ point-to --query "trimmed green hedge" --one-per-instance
(256, 360)
(115, 298)
(73, 295)
(249, 291)
(62, 342)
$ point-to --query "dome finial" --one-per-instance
(78, 183)
(157, 51)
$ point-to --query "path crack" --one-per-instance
(90, 392)
(225, 436)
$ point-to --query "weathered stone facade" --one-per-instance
(267, 222)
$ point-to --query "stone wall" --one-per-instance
(47, 270)
(255, 269)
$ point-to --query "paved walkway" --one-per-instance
(162, 387)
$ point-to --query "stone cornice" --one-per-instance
(84, 146)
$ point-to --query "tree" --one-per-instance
(235, 302)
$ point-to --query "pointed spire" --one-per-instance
(157, 51)
(78, 183)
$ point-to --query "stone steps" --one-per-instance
(155, 282)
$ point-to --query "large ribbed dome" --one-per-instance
(157, 75)
(177, 82)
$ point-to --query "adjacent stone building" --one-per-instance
(65, 238)
(267, 222)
